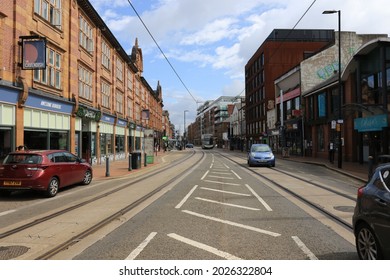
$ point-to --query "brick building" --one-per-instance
(91, 98)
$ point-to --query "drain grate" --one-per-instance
(11, 252)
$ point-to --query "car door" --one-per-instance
(381, 211)
(61, 168)
(75, 169)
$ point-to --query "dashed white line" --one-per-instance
(204, 176)
(7, 212)
(303, 247)
(274, 234)
(259, 198)
(227, 204)
(186, 197)
(204, 247)
(141, 247)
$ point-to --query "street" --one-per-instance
(220, 211)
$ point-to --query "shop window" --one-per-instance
(119, 143)
(59, 140)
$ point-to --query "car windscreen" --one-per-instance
(261, 149)
(19, 158)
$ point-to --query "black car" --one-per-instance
(371, 219)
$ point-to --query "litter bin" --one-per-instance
(136, 160)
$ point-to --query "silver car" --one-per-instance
(261, 155)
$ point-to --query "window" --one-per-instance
(106, 54)
(129, 80)
(129, 107)
(86, 36)
(106, 95)
(50, 10)
(119, 69)
(321, 99)
(52, 75)
(119, 102)
(85, 83)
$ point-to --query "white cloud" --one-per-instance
(220, 36)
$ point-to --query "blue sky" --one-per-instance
(208, 42)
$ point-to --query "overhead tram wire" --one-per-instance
(162, 52)
(288, 34)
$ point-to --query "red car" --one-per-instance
(46, 170)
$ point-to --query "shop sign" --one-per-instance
(108, 119)
(132, 125)
(122, 123)
(371, 123)
(86, 113)
(40, 102)
(33, 52)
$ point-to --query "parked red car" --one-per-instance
(46, 170)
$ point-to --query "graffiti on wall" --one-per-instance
(327, 71)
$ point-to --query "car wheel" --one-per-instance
(87, 177)
(52, 188)
(367, 245)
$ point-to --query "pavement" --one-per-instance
(120, 168)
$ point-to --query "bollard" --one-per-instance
(370, 166)
(107, 166)
(130, 168)
(145, 163)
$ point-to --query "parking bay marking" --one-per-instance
(204, 247)
(274, 234)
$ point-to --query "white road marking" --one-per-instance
(226, 166)
(236, 174)
(274, 234)
(223, 173)
(7, 212)
(214, 190)
(227, 204)
(204, 247)
(303, 247)
(204, 176)
(141, 246)
(186, 197)
(259, 198)
(222, 183)
(227, 178)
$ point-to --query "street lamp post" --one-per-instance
(184, 134)
(339, 121)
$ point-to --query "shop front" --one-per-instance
(106, 132)
(86, 131)
(120, 136)
(8, 100)
(47, 122)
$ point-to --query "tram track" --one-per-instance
(108, 219)
(301, 198)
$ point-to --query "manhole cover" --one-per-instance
(348, 209)
(11, 252)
